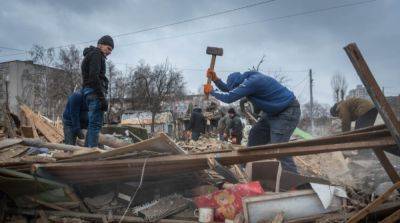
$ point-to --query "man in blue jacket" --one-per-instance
(280, 108)
(75, 118)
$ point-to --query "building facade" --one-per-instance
(358, 92)
(32, 84)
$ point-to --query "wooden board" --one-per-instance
(175, 164)
(50, 132)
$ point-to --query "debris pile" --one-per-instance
(158, 180)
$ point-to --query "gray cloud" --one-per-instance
(293, 44)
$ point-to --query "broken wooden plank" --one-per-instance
(381, 104)
(50, 132)
(57, 146)
(374, 91)
(161, 143)
(46, 204)
(97, 217)
(9, 142)
(393, 218)
(373, 205)
(129, 168)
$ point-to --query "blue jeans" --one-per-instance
(95, 120)
(69, 135)
(276, 129)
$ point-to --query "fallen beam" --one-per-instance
(76, 172)
(97, 217)
(58, 146)
(381, 104)
(373, 205)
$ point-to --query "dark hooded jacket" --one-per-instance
(94, 70)
(263, 91)
(197, 121)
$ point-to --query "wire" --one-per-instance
(196, 18)
(298, 84)
(252, 22)
(7, 48)
(231, 26)
(137, 189)
(171, 24)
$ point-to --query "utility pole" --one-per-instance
(311, 102)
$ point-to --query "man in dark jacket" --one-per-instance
(235, 127)
(280, 108)
(95, 86)
(197, 123)
(74, 118)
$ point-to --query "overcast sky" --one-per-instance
(292, 45)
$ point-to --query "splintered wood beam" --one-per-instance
(386, 112)
(373, 205)
(374, 91)
(78, 172)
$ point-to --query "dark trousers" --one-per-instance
(195, 135)
(276, 129)
(69, 136)
(367, 119)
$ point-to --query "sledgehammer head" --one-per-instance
(214, 51)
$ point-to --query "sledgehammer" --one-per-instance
(214, 52)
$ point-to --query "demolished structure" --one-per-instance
(159, 180)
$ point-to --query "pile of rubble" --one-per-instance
(159, 180)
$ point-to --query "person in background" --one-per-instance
(280, 108)
(223, 127)
(235, 127)
(74, 118)
(362, 111)
(197, 124)
(95, 86)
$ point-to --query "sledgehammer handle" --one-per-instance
(212, 64)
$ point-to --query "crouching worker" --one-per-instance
(74, 118)
(280, 108)
(362, 111)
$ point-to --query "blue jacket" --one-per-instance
(75, 113)
(263, 91)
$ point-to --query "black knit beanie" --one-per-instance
(106, 40)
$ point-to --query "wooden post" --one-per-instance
(374, 91)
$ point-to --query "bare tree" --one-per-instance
(339, 86)
(154, 86)
(257, 68)
(320, 115)
(42, 56)
(278, 75)
(50, 87)
(39, 79)
(69, 60)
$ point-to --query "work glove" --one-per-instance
(208, 88)
(212, 75)
(80, 135)
(103, 104)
